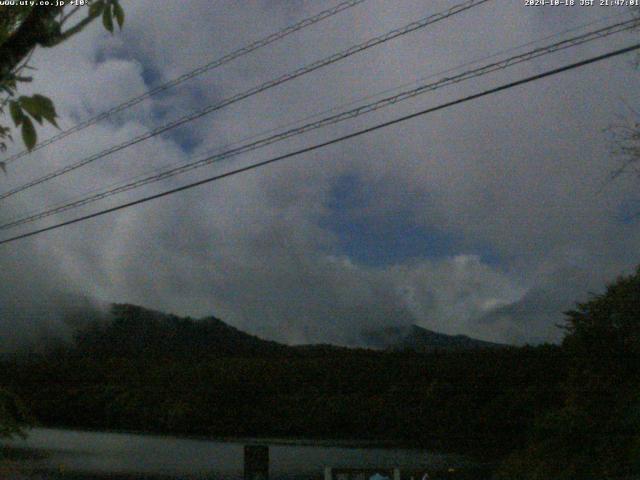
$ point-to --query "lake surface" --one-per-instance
(79, 454)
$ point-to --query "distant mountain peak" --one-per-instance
(419, 339)
(134, 331)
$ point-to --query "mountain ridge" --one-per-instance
(421, 340)
(134, 331)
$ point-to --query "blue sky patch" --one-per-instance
(383, 239)
(629, 211)
(150, 75)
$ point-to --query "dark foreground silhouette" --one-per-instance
(569, 411)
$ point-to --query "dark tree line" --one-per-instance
(567, 412)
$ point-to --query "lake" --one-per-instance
(56, 453)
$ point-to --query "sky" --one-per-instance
(487, 219)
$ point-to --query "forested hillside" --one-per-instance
(144, 370)
(569, 411)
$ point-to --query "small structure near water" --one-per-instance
(256, 462)
(256, 467)
(361, 473)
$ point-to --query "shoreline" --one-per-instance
(275, 441)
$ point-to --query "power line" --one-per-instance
(333, 141)
(334, 119)
(411, 27)
(307, 22)
(397, 88)
(346, 115)
(219, 149)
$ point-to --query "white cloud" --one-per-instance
(518, 172)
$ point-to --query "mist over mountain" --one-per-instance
(132, 368)
(131, 331)
(49, 320)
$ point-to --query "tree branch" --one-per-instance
(66, 17)
(78, 27)
(39, 28)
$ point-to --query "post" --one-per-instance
(327, 473)
(256, 462)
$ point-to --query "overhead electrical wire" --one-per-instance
(401, 86)
(411, 27)
(333, 141)
(252, 47)
(220, 149)
(601, 33)
(333, 119)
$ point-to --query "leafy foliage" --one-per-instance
(142, 370)
(11, 17)
(36, 107)
(596, 432)
(565, 412)
(23, 28)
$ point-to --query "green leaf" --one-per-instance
(46, 108)
(107, 20)
(32, 107)
(29, 135)
(118, 11)
(16, 112)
